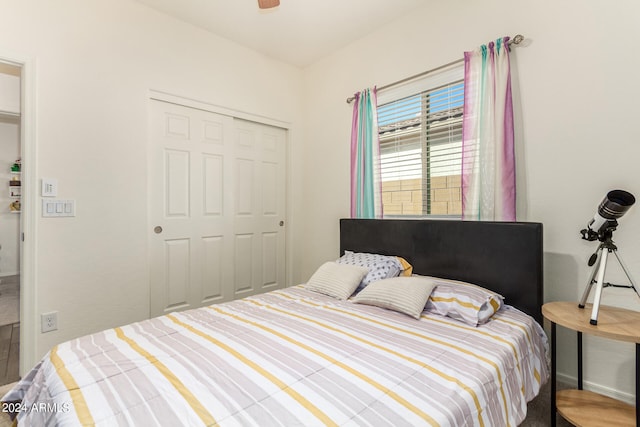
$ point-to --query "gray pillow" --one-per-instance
(336, 280)
(406, 295)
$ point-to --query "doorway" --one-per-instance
(10, 220)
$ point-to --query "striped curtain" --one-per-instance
(366, 190)
(488, 158)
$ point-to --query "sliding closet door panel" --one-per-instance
(260, 205)
(189, 201)
(216, 207)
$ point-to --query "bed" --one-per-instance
(296, 356)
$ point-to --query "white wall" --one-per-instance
(95, 62)
(576, 98)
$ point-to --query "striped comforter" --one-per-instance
(290, 358)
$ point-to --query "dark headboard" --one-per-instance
(505, 257)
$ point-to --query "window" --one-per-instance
(421, 146)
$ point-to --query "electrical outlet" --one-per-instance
(49, 321)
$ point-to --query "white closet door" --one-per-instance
(259, 207)
(216, 189)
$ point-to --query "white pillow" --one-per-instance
(463, 301)
(406, 295)
(336, 280)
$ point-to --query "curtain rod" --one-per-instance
(517, 39)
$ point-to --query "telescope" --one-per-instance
(614, 205)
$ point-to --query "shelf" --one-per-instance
(15, 186)
(582, 407)
(613, 322)
(586, 408)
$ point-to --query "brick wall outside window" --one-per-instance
(404, 197)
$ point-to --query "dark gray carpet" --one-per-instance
(538, 410)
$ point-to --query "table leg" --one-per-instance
(637, 384)
(553, 374)
(579, 360)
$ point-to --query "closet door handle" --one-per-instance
(157, 229)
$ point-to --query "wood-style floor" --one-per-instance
(9, 353)
(9, 328)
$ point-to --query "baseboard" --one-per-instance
(598, 388)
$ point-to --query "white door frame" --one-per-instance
(202, 105)
(28, 216)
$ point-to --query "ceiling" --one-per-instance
(298, 32)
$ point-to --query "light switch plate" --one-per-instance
(58, 208)
(49, 187)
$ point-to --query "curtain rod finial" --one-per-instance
(518, 38)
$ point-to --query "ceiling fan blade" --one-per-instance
(268, 4)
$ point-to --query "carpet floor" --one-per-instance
(539, 409)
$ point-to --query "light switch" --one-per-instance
(58, 208)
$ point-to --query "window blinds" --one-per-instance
(421, 143)
(421, 136)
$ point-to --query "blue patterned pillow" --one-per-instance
(380, 266)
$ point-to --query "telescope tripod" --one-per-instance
(599, 263)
